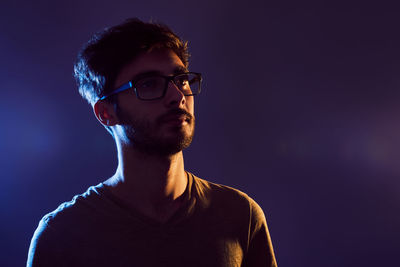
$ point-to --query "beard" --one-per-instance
(148, 138)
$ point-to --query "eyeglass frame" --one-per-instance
(168, 79)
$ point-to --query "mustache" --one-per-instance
(175, 112)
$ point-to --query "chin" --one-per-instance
(163, 146)
(162, 141)
(177, 145)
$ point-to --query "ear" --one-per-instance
(105, 113)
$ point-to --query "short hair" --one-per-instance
(108, 51)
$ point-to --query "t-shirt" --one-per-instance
(216, 226)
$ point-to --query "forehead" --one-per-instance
(162, 61)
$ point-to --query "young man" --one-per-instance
(151, 212)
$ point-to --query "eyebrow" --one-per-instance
(177, 70)
(180, 69)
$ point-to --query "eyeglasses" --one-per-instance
(152, 87)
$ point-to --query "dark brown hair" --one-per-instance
(108, 51)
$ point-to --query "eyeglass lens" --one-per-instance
(153, 86)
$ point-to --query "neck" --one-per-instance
(148, 182)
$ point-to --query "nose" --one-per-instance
(174, 96)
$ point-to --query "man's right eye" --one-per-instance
(148, 83)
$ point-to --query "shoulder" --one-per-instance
(206, 188)
(56, 232)
(79, 210)
(229, 198)
(76, 208)
(241, 214)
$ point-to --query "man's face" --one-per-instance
(163, 126)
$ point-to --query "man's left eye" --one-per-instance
(183, 81)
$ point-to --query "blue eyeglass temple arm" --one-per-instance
(124, 87)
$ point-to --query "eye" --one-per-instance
(149, 83)
(182, 80)
(193, 79)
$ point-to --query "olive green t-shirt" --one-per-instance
(216, 226)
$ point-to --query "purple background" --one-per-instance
(300, 109)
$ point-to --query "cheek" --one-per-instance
(130, 106)
(190, 105)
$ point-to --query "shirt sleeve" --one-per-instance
(260, 251)
(45, 249)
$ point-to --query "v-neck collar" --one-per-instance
(183, 212)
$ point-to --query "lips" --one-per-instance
(176, 117)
